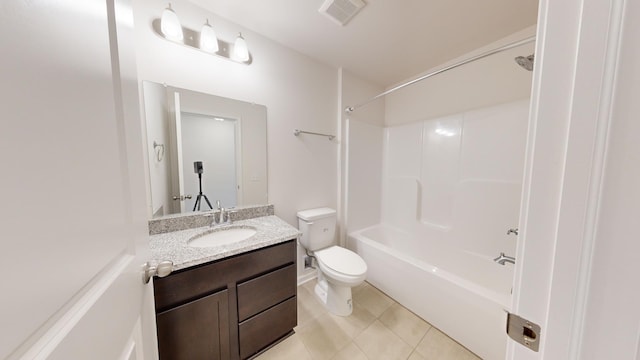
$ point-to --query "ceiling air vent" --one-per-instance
(341, 11)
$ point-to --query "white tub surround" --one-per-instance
(461, 293)
(270, 230)
(450, 192)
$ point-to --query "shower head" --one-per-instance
(525, 62)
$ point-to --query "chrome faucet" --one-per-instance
(222, 212)
(214, 221)
(224, 215)
(512, 231)
(502, 259)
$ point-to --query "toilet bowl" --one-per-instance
(339, 269)
(342, 266)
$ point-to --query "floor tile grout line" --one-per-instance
(399, 337)
(359, 348)
(422, 339)
(313, 315)
(305, 348)
(414, 348)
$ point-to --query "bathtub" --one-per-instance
(464, 294)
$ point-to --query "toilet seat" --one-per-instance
(341, 264)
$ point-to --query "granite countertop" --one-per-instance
(270, 230)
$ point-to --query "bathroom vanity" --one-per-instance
(230, 301)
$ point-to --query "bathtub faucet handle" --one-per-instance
(512, 231)
(503, 259)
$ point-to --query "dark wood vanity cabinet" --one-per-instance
(232, 308)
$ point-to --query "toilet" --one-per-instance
(339, 269)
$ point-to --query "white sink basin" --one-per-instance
(221, 237)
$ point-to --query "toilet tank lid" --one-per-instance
(315, 214)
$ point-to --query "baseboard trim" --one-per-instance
(306, 277)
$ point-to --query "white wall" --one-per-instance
(490, 81)
(361, 154)
(355, 90)
(364, 161)
(298, 92)
(157, 125)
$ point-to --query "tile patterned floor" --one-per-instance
(378, 329)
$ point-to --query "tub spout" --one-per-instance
(502, 259)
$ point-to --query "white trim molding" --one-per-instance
(574, 80)
(605, 48)
(43, 343)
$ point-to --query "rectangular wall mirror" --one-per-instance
(202, 149)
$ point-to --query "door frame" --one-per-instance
(175, 139)
(577, 49)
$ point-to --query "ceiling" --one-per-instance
(389, 40)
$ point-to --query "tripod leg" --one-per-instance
(208, 203)
(196, 203)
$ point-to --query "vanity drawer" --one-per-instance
(265, 291)
(267, 327)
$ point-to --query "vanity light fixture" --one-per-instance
(240, 49)
(208, 39)
(170, 25)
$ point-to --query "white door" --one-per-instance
(578, 255)
(73, 213)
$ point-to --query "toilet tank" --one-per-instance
(318, 227)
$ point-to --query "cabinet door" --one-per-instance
(195, 330)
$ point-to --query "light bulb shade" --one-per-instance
(170, 25)
(208, 39)
(240, 49)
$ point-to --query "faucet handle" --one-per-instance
(218, 204)
(229, 213)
